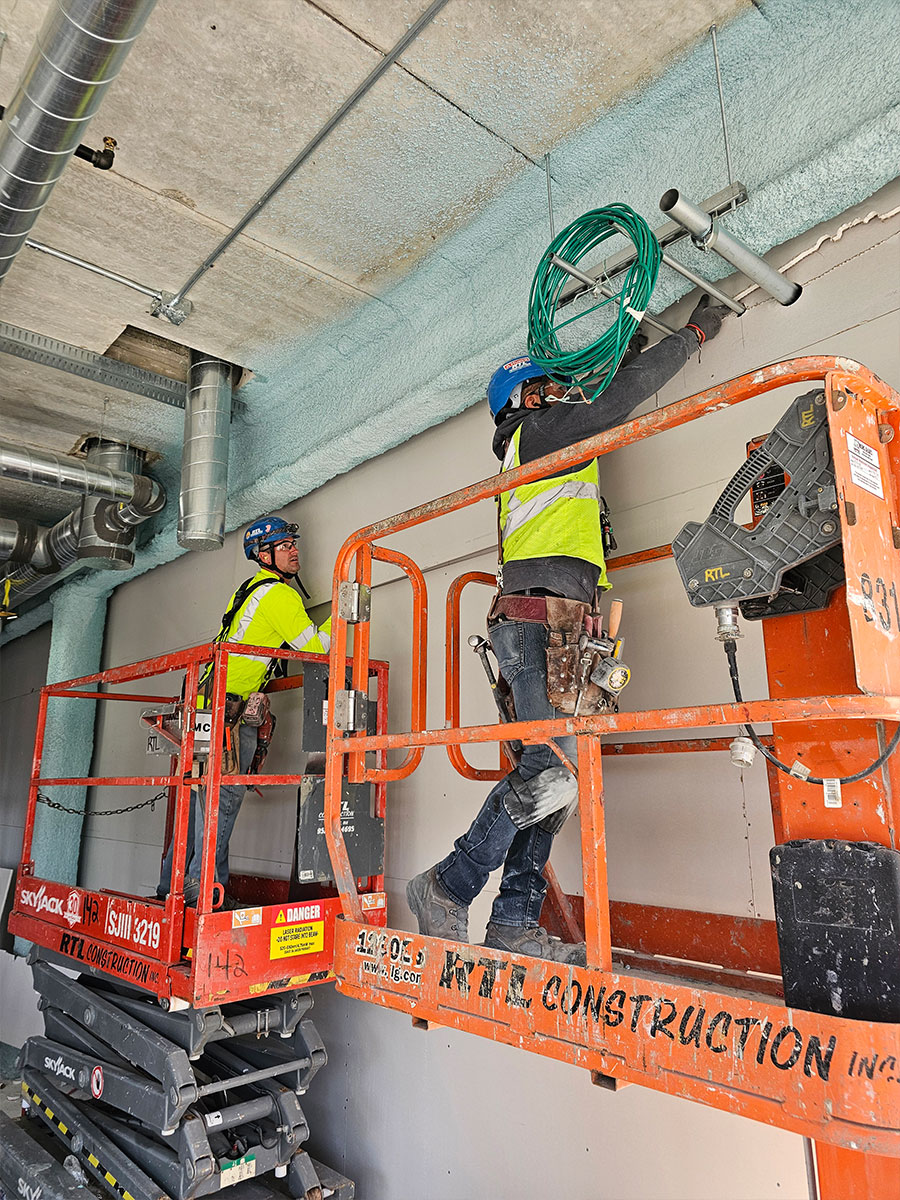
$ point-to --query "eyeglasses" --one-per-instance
(542, 390)
(288, 544)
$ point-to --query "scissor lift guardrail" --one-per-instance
(717, 1030)
(186, 955)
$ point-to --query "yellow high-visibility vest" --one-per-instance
(557, 516)
(272, 615)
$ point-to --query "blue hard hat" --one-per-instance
(267, 531)
(507, 379)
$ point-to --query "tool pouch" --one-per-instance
(234, 706)
(565, 620)
(256, 709)
(263, 740)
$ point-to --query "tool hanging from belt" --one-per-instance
(585, 672)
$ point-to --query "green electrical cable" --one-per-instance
(593, 366)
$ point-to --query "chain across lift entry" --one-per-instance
(719, 1034)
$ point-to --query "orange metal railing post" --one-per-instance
(593, 854)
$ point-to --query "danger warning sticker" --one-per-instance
(287, 940)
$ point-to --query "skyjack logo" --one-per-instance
(41, 902)
(28, 1193)
(58, 1067)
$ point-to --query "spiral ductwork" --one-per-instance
(79, 51)
(204, 456)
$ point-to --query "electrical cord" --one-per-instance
(595, 364)
(731, 655)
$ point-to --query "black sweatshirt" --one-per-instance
(547, 429)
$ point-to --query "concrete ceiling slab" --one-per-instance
(372, 296)
(534, 73)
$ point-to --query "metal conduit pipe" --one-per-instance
(709, 236)
(71, 474)
(204, 457)
(79, 50)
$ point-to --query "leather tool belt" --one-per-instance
(532, 608)
(565, 620)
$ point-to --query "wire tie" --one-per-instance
(633, 312)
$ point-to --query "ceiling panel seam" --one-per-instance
(424, 83)
(215, 225)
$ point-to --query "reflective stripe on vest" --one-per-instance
(557, 516)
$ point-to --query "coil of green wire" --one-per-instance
(594, 365)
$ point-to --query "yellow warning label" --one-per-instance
(288, 940)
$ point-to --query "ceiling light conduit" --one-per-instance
(175, 307)
(78, 52)
(708, 236)
(204, 457)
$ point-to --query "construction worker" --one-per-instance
(551, 547)
(264, 611)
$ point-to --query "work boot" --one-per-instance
(535, 942)
(438, 914)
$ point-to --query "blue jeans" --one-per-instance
(492, 839)
(230, 800)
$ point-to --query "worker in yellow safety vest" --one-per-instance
(551, 565)
(264, 611)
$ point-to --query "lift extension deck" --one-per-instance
(174, 1104)
(200, 956)
(715, 1030)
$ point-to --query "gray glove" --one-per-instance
(635, 346)
(708, 318)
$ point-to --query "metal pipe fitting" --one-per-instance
(105, 541)
(204, 457)
(727, 627)
(78, 52)
(709, 236)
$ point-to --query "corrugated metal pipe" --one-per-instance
(708, 235)
(79, 51)
(204, 457)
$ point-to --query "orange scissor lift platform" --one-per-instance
(187, 956)
(646, 1009)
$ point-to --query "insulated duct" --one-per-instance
(100, 532)
(23, 542)
(707, 234)
(55, 550)
(79, 50)
(204, 458)
(106, 541)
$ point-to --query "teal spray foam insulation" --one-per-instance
(813, 130)
(76, 643)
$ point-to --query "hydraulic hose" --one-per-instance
(731, 654)
(594, 365)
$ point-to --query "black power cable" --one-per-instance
(731, 655)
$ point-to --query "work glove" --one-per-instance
(708, 318)
(633, 349)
